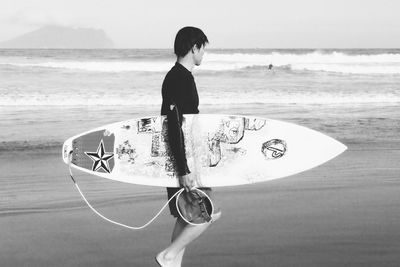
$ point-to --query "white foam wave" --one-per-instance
(151, 100)
(351, 68)
(102, 66)
(315, 61)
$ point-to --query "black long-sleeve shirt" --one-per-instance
(179, 88)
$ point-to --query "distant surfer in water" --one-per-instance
(179, 94)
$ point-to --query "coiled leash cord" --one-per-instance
(121, 224)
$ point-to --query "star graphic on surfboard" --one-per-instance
(100, 158)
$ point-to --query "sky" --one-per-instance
(227, 23)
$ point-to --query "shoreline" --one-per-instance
(348, 124)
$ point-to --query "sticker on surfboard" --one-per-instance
(94, 151)
(274, 149)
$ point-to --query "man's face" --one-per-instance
(198, 54)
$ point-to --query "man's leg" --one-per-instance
(179, 225)
(183, 236)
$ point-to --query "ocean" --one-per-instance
(49, 95)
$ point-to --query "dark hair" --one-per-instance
(186, 38)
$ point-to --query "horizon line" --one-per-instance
(214, 48)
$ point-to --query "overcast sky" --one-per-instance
(227, 23)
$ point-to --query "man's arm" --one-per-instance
(177, 146)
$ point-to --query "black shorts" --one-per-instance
(172, 204)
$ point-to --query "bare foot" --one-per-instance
(164, 261)
(178, 259)
(216, 215)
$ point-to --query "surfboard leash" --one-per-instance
(118, 223)
(106, 218)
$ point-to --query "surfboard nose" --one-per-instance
(297, 149)
(335, 147)
(341, 148)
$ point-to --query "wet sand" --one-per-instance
(343, 213)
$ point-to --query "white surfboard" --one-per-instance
(221, 150)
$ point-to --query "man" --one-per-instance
(179, 94)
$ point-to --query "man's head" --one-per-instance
(190, 40)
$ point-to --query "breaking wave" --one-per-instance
(207, 99)
(338, 62)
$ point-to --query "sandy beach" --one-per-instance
(343, 213)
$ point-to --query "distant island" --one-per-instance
(61, 37)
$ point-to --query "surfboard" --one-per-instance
(221, 150)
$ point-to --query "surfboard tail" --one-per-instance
(66, 150)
